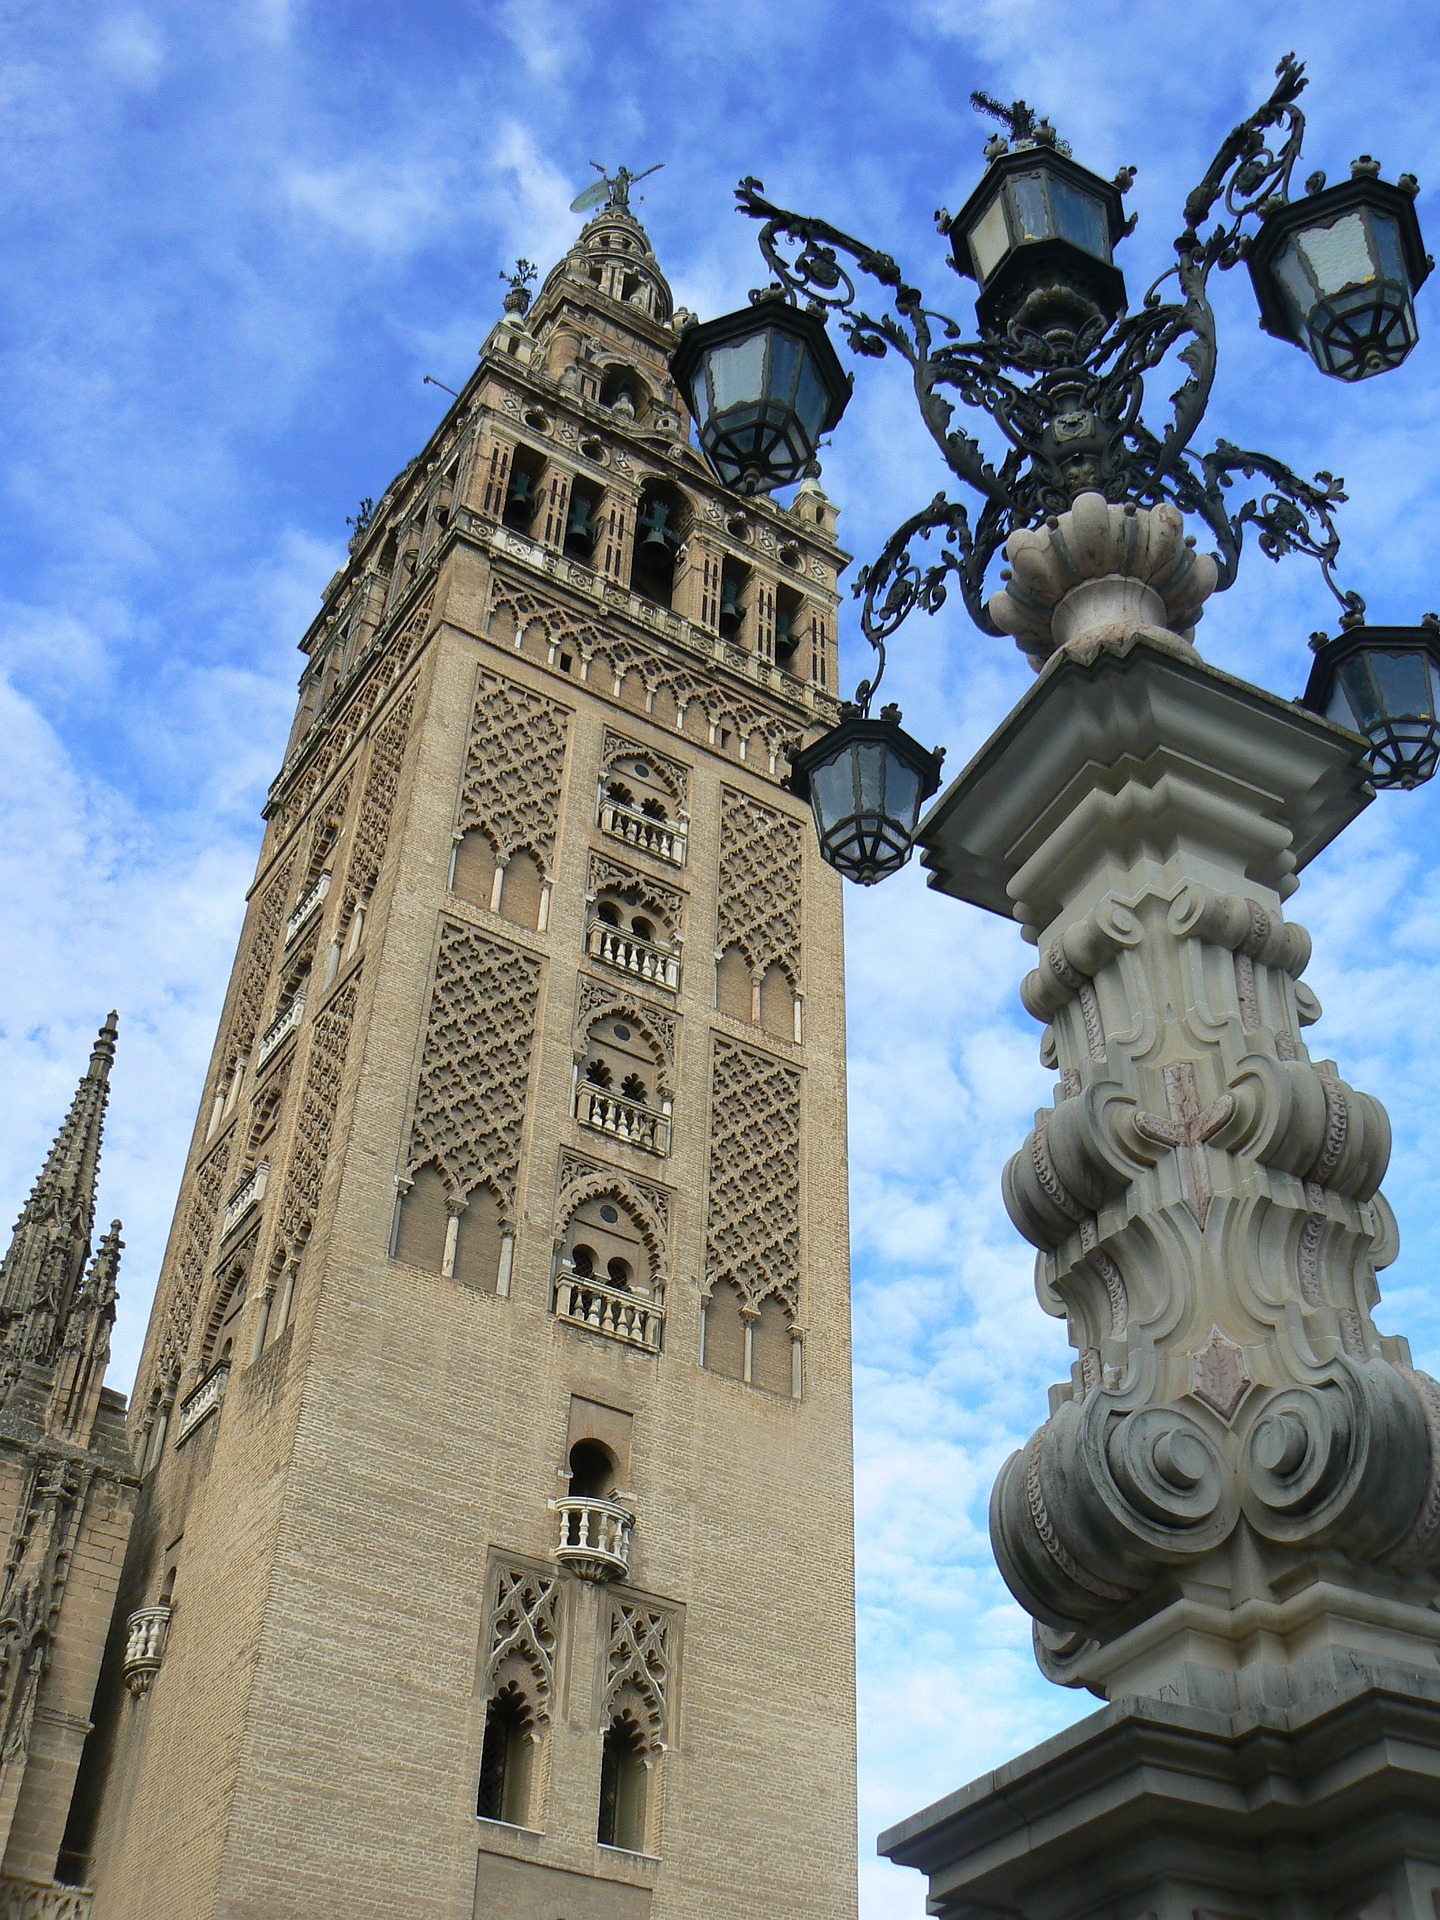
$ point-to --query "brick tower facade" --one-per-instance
(493, 1546)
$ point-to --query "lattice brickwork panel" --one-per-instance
(475, 1070)
(513, 768)
(377, 805)
(760, 874)
(752, 1233)
(315, 1121)
(190, 1265)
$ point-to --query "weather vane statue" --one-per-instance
(611, 191)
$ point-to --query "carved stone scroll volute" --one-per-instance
(1204, 1196)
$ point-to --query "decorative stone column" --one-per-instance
(1229, 1526)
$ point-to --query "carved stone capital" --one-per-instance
(1099, 570)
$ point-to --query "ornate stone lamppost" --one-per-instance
(1229, 1526)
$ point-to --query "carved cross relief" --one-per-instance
(1186, 1129)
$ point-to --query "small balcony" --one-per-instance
(622, 1119)
(311, 902)
(664, 839)
(247, 1195)
(594, 1537)
(205, 1400)
(274, 1036)
(615, 948)
(145, 1635)
(637, 1319)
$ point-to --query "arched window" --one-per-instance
(522, 495)
(522, 890)
(602, 1241)
(621, 388)
(472, 874)
(772, 1364)
(582, 519)
(789, 624)
(623, 1777)
(479, 1233)
(424, 1221)
(777, 1002)
(465, 1241)
(734, 993)
(592, 1471)
(724, 1350)
(515, 888)
(620, 1087)
(505, 1759)
(661, 525)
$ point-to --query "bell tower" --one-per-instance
(493, 1424)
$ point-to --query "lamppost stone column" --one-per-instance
(1229, 1525)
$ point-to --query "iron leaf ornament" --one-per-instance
(1066, 388)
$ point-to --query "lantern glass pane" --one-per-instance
(989, 239)
(737, 372)
(811, 401)
(1339, 255)
(1385, 237)
(1032, 208)
(1339, 709)
(1081, 218)
(1355, 682)
(1295, 283)
(832, 792)
(902, 792)
(786, 354)
(1403, 682)
(870, 765)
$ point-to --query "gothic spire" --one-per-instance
(51, 1243)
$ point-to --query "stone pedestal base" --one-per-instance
(1326, 1809)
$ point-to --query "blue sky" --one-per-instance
(239, 235)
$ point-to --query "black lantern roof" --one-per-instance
(1039, 228)
(1337, 272)
(1384, 683)
(763, 384)
(866, 781)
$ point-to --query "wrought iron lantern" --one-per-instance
(1384, 682)
(866, 781)
(1038, 235)
(763, 385)
(1337, 271)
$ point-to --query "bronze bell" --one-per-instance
(655, 528)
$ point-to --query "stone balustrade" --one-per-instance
(310, 904)
(284, 1023)
(628, 1120)
(594, 1537)
(616, 948)
(146, 1632)
(664, 839)
(205, 1400)
(636, 1318)
(43, 1900)
(248, 1194)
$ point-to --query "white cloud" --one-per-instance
(130, 47)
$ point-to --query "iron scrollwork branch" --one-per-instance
(1067, 398)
